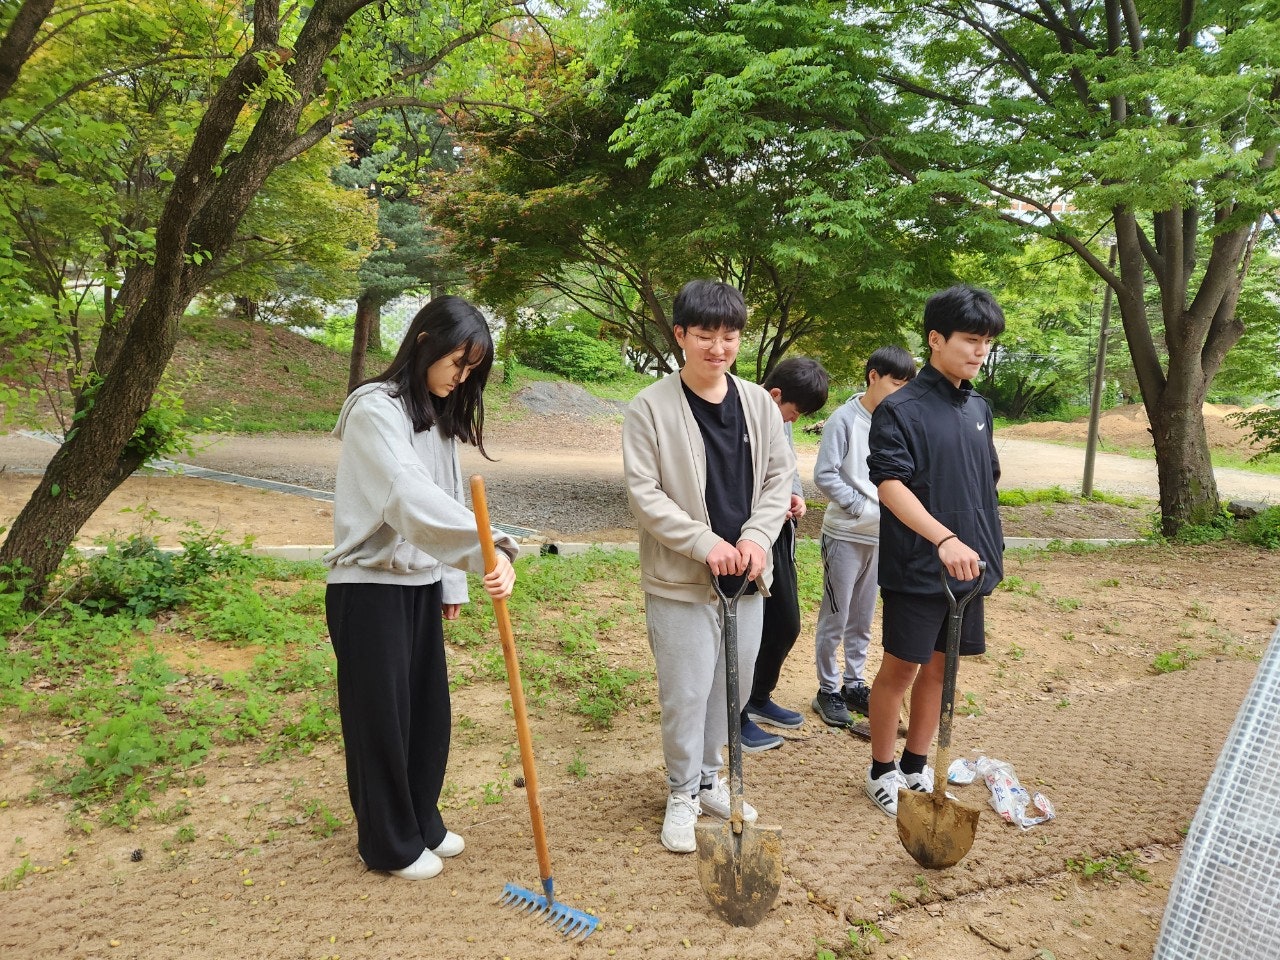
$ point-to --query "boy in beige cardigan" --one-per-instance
(708, 471)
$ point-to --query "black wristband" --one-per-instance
(950, 536)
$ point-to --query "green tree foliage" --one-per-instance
(775, 107)
(543, 208)
(266, 83)
(389, 158)
(1251, 371)
(816, 233)
(302, 242)
(1149, 122)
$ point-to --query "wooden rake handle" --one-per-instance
(483, 528)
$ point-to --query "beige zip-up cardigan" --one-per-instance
(665, 465)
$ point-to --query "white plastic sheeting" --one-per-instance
(1225, 900)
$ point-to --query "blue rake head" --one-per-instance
(567, 920)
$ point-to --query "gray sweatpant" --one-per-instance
(845, 614)
(688, 652)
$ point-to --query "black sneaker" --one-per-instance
(830, 707)
(857, 697)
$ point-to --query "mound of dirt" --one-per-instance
(1128, 428)
(560, 398)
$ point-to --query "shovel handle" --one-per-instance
(481, 508)
(729, 630)
(955, 620)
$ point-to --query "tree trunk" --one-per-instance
(374, 342)
(49, 521)
(247, 308)
(1188, 488)
(18, 42)
(368, 311)
(194, 229)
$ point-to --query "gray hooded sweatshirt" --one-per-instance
(398, 508)
(840, 472)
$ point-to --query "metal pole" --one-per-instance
(1099, 378)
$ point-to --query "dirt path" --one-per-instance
(559, 477)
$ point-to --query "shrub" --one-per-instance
(1262, 530)
(571, 354)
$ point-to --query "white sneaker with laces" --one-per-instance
(883, 791)
(677, 828)
(715, 801)
(450, 846)
(920, 782)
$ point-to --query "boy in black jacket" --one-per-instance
(934, 464)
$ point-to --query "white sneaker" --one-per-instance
(883, 791)
(920, 782)
(677, 828)
(450, 846)
(715, 801)
(425, 867)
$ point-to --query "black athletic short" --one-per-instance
(915, 625)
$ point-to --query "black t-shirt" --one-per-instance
(730, 476)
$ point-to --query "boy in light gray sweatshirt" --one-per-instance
(850, 541)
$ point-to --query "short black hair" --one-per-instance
(800, 380)
(963, 309)
(891, 361)
(709, 305)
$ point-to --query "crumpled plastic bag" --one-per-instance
(962, 771)
(1009, 797)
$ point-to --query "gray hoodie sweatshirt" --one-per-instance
(841, 473)
(398, 507)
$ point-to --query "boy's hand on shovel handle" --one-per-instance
(960, 559)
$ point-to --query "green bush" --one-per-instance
(136, 575)
(570, 353)
(1262, 530)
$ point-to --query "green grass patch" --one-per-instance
(120, 660)
(1109, 868)
(565, 611)
(1018, 497)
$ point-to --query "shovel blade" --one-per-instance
(936, 830)
(739, 872)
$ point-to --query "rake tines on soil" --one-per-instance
(564, 918)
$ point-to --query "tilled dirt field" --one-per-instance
(1067, 693)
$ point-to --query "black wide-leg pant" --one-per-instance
(781, 616)
(393, 696)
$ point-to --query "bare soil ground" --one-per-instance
(1066, 692)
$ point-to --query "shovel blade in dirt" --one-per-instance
(936, 830)
(739, 872)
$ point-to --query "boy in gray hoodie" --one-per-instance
(850, 541)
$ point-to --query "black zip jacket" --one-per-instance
(937, 440)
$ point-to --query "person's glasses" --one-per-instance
(703, 342)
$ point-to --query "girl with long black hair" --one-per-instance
(403, 538)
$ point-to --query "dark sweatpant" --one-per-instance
(781, 616)
(393, 695)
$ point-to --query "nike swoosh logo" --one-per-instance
(982, 426)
